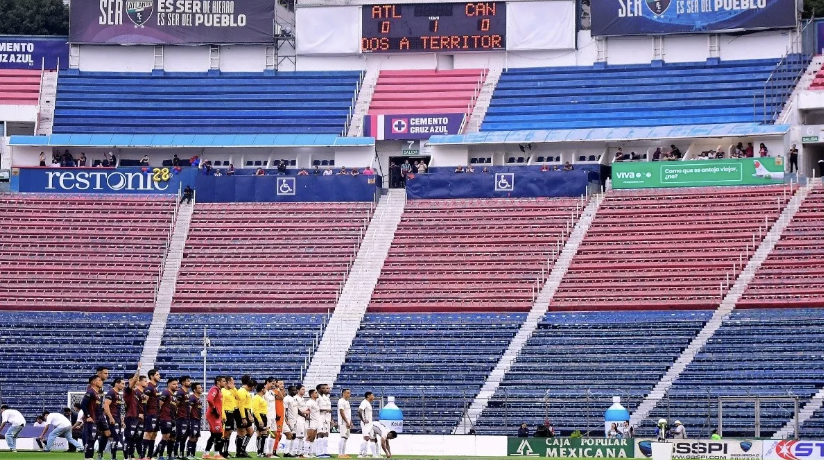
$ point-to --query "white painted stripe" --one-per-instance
(380, 135)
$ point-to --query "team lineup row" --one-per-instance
(133, 412)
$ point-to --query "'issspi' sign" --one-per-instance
(411, 127)
(727, 449)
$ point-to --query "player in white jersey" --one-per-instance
(290, 427)
(313, 411)
(325, 405)
(303, 418)
(344, 421)
(384, 434)
(365, 416)
(271, 416)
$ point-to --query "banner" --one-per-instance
(793, 450)
(743, 171)
(34, 53)
(410, 127)
(570, 447)
(142, 181)
(267, 189)
(172, 21)
(524, 184)
(642, 17)
(684, 449)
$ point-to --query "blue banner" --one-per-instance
(34, 53)
(411, 127)
(642, 17)
(228, 189)
(152, 181)
(522, 184)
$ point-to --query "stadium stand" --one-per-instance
(82, 253)
(269, 257)
(426, 91)
(668, 249)
(762, 352)
(574, 364)
(472, 255)
(814, 427)
(278, 345)
(638, 95)
(62, 349)
(19, 87)
(193, 103)
(434, 364)
(793, 274)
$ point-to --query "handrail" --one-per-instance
(794, 53)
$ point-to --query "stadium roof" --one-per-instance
(192, 140)
(611, 134)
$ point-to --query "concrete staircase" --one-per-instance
(484, 99)
(539, 309)
(804, 413)
(166, 290)
(789, 114)
(363, 102)
(48, 97)
(723, 312)
(351, 307)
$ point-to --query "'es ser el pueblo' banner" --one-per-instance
(744, 171)
(641, 17)
(570, 447)
(172, 21)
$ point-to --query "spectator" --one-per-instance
(61, 428)
(355, 172)
(544, 168)
(394, 175)
(207, 167)
(217, 173)
(68, 160)
(542, 431)
(42, 159)
(656, 155)
(282, 167)
(15, 421)
(368, 171)
(188, 194)
(550, 430)
(485, 170)
(72, 418)
(678, 431)
(619, 155)
(40, 423)
(56, 157)
(415, 167)
(83, 160)
(613, 431)
(77, 422)
(749, 151)
(568, 167)
(303, 172)
(675, 152)
(634, 156)
(316, 171)
(459, 169)
(793, 158)
(231, 170)
(523, 431)
(470, 169)
(556, 168)
(112, 160)
(715, 436)
(739, 150)
(175, 160)
(260, 172)
(762, 150)
(702, 156)
(406, 169)
(422, 167)
(719, 153)
(55, 163)
(343, 171)
(328, 171)
(145, 160)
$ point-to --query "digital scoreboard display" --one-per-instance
(434, 27)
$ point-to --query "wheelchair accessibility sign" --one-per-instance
(504, 182)
(286, 186)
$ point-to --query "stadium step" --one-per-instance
(539, 309)
(724, 310)
(484, 98)
(365, 94)
(166, 288)
(804, 413)
(46, 103)
(351, 307)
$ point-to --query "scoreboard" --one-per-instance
(433, 27)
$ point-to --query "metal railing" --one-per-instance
(783, 79)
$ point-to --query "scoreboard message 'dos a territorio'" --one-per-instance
(434, 27)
